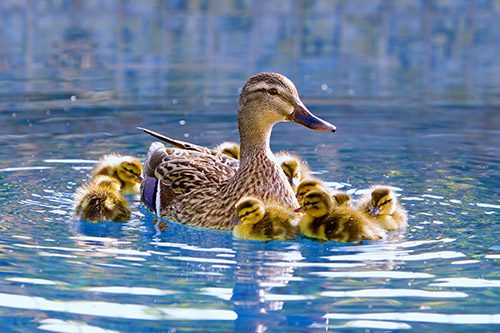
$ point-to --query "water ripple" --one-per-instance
(396, 255)
(130, 290)
(393, 293)
(114, 310)
(377, 324)
(58, 325)
(375, 274)
(421, 317)
(32, 281)
(466, 283)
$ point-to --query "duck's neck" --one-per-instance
(254, 138)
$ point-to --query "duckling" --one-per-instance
(126, 169)
(229, 148)
(306, 186)
(265, 222)
(100, 200)
(382, 207)
(342, 199)
(295, 168)
(324, 220)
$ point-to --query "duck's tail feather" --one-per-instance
(176, 143)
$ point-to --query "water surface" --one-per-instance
(421, 118)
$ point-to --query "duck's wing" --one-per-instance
(185, 171)
(188, 146)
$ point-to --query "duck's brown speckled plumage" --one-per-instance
(200, 186)
(201, 190)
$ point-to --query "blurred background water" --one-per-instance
(412, 86)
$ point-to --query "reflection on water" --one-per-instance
(411, 85)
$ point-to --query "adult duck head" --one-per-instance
(269, 98)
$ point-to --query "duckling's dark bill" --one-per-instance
(301, 115)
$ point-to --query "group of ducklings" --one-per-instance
(325, 215)
(101, 198)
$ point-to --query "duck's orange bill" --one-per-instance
(301, 115)
(139, 179)
(299, 210)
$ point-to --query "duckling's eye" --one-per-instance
(386, 202)
(273, 91)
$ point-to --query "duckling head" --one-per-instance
(317, 203)
(269, 98)
(250, 210)
(305, 187)
(291, 168)
(342, 199)
(383, 202)
(107, 182)
(231, 149)
(129, 170)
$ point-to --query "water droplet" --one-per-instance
(324, 87)
(73, 98)
(47, 112)
(186, 135)
(182, 122)
(14, 115)
(175, 101)
(350, 92)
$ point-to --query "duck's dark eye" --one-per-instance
(273, 91)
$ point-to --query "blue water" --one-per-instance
(412, 86)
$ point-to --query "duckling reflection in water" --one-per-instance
(264, 222)
(229, 148)
(325, 219)
(294, 167)
(126, 169)
(100, 200)
(382, 207)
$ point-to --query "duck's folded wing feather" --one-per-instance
(186, 173)
(183, 145)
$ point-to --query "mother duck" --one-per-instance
(198, 186)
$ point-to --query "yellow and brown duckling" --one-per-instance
(340, 198)
(264, 222)
(306, 186)
(325, 220)
(382, 207)
(229, 148)
(100, 200)
(126, 169)
(294, 167)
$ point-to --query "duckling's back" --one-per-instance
(345, 225)
(97, 204)
(275, 225)
(341, 224)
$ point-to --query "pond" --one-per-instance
(416, 104)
